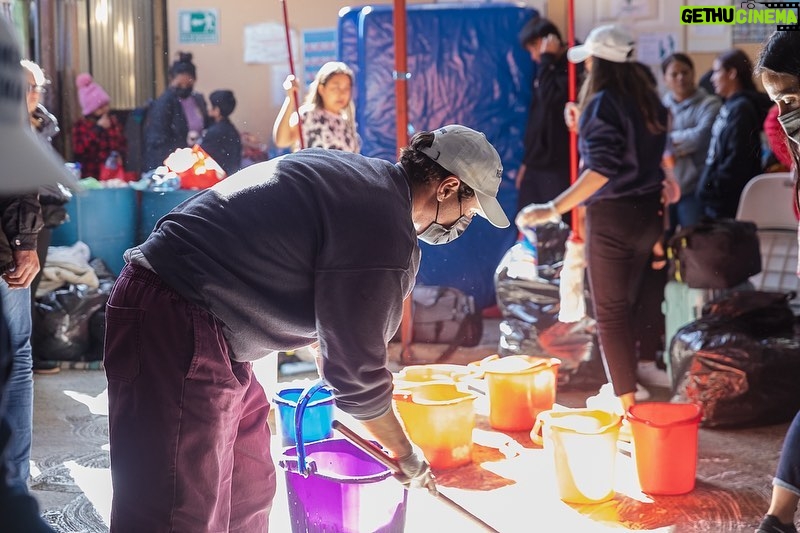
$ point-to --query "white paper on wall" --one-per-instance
(266, 43)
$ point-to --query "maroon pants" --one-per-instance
(190, 445)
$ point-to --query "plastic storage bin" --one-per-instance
(105, 219)
(156, 204)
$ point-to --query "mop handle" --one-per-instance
(392, 465)
(291, 70)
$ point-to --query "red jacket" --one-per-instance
(91, 144)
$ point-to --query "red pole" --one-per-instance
(401, 101)
(291, 69)
(572, 95)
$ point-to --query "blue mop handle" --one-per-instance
(302, 402)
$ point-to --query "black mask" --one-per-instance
(184, 92)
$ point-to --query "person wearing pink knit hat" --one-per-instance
(98, 133)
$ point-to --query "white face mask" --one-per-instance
(791, 124)
(438, 234)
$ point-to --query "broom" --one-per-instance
(295, 97)
(570, 289)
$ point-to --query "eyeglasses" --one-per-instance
(33, 88)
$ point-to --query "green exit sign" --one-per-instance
(198, 26)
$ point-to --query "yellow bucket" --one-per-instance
(439, 418)
(583, 443)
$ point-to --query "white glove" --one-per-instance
(416, 472)
(536, 215)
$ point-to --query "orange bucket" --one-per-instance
(520, 387)
(665, 445)
(439, 418)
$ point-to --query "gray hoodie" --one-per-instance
(690, 134)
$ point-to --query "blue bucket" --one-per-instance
(334, 486)
(318, 417)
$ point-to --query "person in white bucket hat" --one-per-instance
(612, 43)
(622, 135)
(315, 246)
(27, 163)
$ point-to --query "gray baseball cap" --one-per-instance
(472, 159)
(28, 162)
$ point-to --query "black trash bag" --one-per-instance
(97, 335)
(738, 376)
(102, 271)
(61, 322)
(529, 301)
(759, 313)
(551, 244)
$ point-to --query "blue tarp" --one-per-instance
(466, 67)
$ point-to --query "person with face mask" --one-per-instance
(315, 246)
(545, 171)
(97, 133)
(177, 118)
(779, 68)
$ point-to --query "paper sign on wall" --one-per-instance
(653, 48)
(266, 43)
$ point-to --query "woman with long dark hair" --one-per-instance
(779, 68)
(622, 135)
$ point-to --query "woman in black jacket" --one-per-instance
(734, 154)
(177, 118)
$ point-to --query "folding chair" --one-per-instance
(767, 201)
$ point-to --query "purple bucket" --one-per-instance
(335, 487)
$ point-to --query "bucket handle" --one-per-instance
(536, 433)
(302, 402)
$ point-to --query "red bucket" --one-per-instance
(665, 445)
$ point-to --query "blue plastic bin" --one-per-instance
(317, 422)
(105, 219)
(156, 204)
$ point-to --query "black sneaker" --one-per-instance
(46, 367)
(770, 524)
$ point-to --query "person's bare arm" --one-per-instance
(285, 132)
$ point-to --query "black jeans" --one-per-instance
(620, 234)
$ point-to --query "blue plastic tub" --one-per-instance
(156, 204)
(317, 419)
(105, 219)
